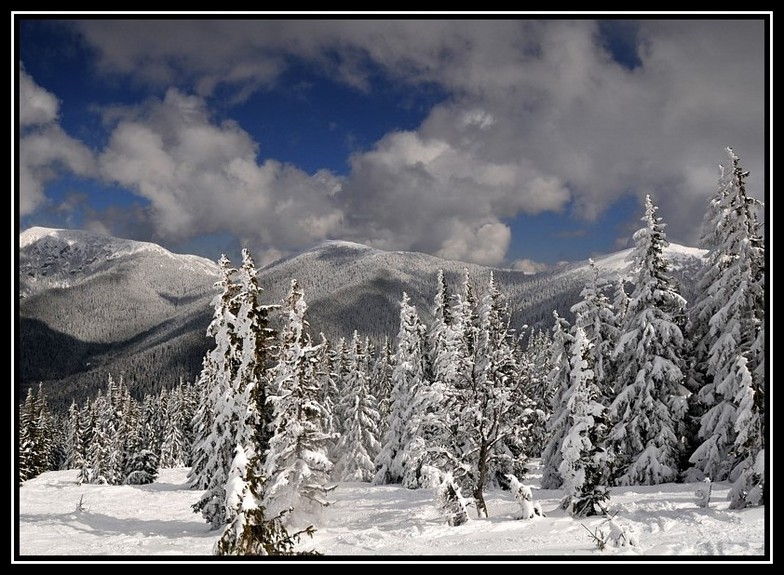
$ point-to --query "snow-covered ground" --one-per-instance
(385, 521)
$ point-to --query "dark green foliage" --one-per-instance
(590, 501)
(35, 441)
(251, 532)
(143, 468)
(451, 503)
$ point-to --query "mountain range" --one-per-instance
(91, 305)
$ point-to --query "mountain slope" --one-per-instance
(91, 305)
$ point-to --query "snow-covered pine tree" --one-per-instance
(485, 411)
(188, 403)
(251, 531)
(583, 458)
(620, 302)
(442, 339)
(210, 449)
(246, 525)
(173, 449)
(381, 384)
(45, 433)
(201, 425)
(98, 451)
(291, 452)
(595, 315)
(28, 443)
(534, 373)
(341, 367)
(444, 349)
(748, 488)
(240, 359)
(259, 341)
(647, 415)
(58, 423)
(150, 430)
(326, 380)
(87, 418)
(559, 383)
(368, 355)
(457, 377)
(400, 452)
(506, 408)
(727, 323)
(140, 463)
(450, 502)
(118, 423)
(297, 464)
(359, 443)
(74, 458)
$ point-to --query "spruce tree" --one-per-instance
(727, 324)
(583, 458)
(297, 464)
(28, 444)
(173, 449)
(218, 448)
(381, 384)
(647, 415)
(400, 450)
(87, 417)
(359, 443)
(98, 452)
(252, 531)
(535, 369)
(326, 380)
(594, 314)
(504, 423)
(212, 438)
(559, 383)
(140, 463)
(74, 439)
(485, 414)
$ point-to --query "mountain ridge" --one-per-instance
(100, 305)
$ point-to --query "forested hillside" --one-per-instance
(94, 305)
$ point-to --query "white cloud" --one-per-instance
(413, 192)
(530, 266)
(202, 177)
(45, 150)
(485, 244)
(537, 115)
(36, 105)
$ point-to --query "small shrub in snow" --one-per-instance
(620, 536)
(703, 493)
(451, 503)
(528, 507)
(613, 533)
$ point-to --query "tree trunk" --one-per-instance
(479, 498)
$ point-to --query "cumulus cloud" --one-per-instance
(486, 244)
(529, 266)
(36, 105)
(45, 150)
(428, 194)
(203, 177)
(539, 116)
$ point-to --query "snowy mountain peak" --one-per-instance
(51, 257)
(331, 244)
(679, 256)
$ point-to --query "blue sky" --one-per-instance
(507, 141)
